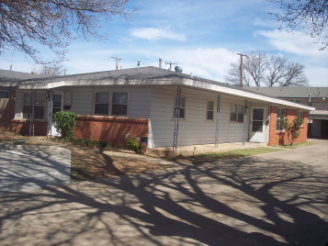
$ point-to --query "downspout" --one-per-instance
(244, 125)
(218, 103)
(176, 118)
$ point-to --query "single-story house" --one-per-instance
(8, 96)
(312, 96)
(158, 107)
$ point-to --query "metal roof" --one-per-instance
(291, 92)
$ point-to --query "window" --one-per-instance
(236, 113)
(182, 107)
(120, 104)
(57, 102)
(300, 116)
(210, 110)
(4, 94)
(102, 103)
(280, 114)
(111, 103)
(38, 107)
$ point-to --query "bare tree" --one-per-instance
(233, 76)
(276, 70)
(309, 14)
(255, 64)
(54, 23)
(54, 70)
(294, 75)
(258, 69)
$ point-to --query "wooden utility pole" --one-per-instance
(241, 68)
(117, 59)
(170, 64)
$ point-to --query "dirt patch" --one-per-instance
(88, 165)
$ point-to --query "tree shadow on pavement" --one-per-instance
(235, 202)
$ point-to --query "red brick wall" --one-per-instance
(115, 130)
(22, 127)
(276, 138)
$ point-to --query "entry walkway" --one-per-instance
(190, 150)
(26, 167)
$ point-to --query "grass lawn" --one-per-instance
(197, 159)
(295, 145)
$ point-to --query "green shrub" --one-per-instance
(292, 129)
(64, 123)
(133, 145)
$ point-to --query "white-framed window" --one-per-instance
(182, 107)
(210, 110)
(120, 103)
(39, 107)
(236, 113)
(280, 114)
(111, 103)
(102, 103)
(4, 94)
(300, 116)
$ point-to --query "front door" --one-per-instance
(257, 125)
(57, 105)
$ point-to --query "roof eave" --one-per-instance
(166, 81)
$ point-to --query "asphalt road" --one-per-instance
(278, 198)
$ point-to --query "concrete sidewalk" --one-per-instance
(277, 198)
(29, 167)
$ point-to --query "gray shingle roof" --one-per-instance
(141, 73)
(13, 76)
(291, 92)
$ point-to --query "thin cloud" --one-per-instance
(298, 43)
(153, 34)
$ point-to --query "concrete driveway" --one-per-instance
(279, 198)
(25, 167)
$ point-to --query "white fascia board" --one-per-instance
(249, 95)
(167, 81)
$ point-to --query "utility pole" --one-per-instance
(241, 68)
(170, 64)
(117, 59)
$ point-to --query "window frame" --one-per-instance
(56, 93)
(185, 106)
(110, 102)
(44, 106)
(302, 116)
(207, 110)
(8, 94)
(278, 118)
(237, 107)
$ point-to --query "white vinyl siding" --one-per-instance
(82, 99)
(194, 129)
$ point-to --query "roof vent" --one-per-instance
(178, 69)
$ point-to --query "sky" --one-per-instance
(202, 37)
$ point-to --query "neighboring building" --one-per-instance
(141, 103)
(8, 95)
(312, 96)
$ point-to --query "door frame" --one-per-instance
(264, 139)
